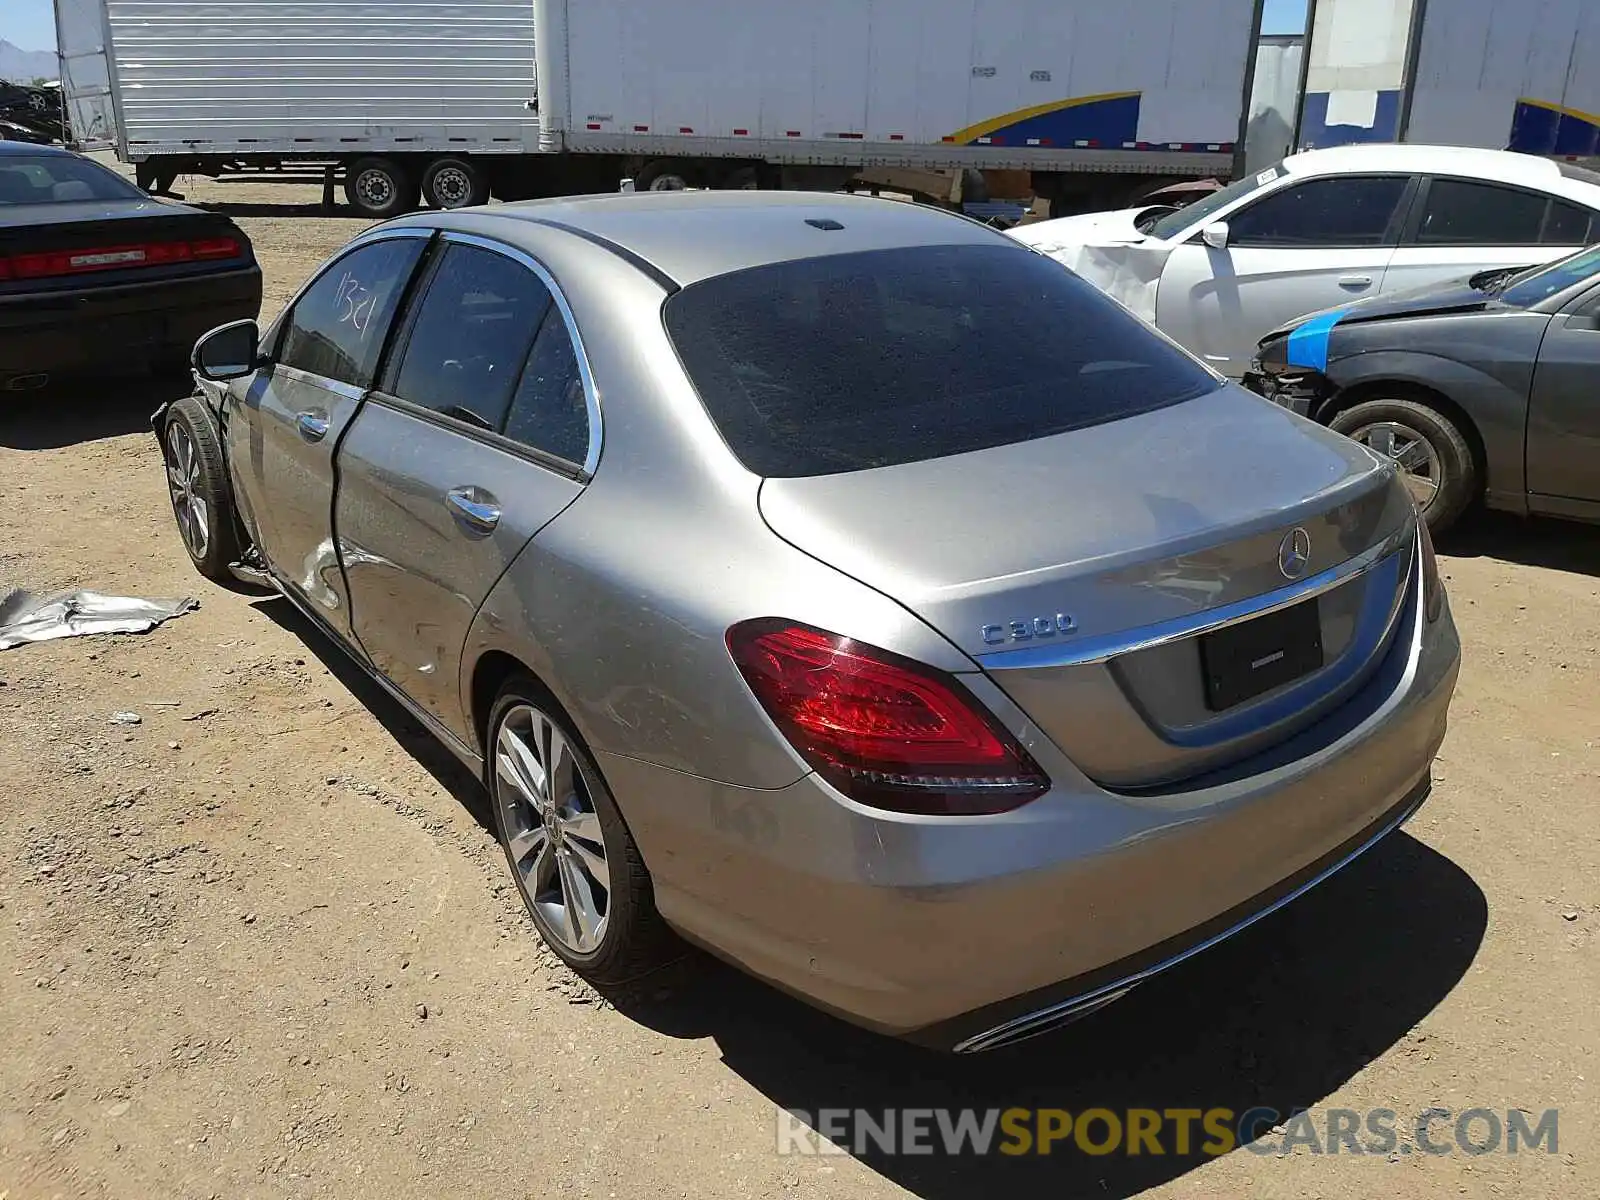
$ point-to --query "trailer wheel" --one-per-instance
(379, 188)
(454, 183)
(666, 175)
(741, 179)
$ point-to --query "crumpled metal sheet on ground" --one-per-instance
(26, 618)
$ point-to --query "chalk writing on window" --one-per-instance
(355, 302)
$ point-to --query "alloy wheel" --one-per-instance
(552, 830)
(183, 481)
(1420, 468)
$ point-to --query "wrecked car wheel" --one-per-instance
(197, 482)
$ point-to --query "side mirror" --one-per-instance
(229, 351)
(1215, 235)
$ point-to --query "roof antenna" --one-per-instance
(827, 223)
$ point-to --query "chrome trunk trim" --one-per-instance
(1105, 647)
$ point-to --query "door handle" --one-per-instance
(1355, 281)
(473, 508)
(313, 426)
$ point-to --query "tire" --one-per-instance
(610, 944)
(1436, 460)
(974, 187)
(741, 179)
(454, 183)
(666, 175)
(380, 188)
(197, 485)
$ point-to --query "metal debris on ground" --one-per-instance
(26, 618)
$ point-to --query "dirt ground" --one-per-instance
(261, 944)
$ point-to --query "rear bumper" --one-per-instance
(100, 329)
(951, 931)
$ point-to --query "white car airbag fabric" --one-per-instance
(26, 618)
(1107, 250)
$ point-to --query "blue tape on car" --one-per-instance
(1308, 344)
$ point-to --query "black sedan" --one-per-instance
(97, 277)
(1484, 388)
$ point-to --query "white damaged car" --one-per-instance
(1320, 230)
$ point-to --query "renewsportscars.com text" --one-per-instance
(1178, 1132)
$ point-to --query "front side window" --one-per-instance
(1462, 213)
(471, 336)
(1330, 213)
(59, 179)
(869, 359)
(1174, 223)
(338, 326)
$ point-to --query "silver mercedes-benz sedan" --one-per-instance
(834, 583)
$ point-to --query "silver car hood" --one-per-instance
(1118, 526)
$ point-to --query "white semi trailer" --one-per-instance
(1092, 103)
(1486, 73)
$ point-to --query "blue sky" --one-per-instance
(1281, 16)
(30, 24)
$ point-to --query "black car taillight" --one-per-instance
(884, 730)
(53, 264)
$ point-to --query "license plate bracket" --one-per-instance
(1242, 661)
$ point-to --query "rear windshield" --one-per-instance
(872, 359)
(59, 179)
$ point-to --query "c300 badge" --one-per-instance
(1028, 630)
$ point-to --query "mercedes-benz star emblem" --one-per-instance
(1294, 553)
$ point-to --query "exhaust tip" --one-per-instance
(27, 383)
(1046, 1021)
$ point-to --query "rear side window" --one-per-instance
(1461, 213)
(852, 361)
(1344, 211)
(471, 335)
(550, 412)
(338, 326)
(1568, 225)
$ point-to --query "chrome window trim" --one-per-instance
(591, 394)
(347, 391)
(1104, 647)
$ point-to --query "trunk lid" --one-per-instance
(1060, 563)
(112, 227)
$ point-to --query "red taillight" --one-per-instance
(882, 729)
(49, 264)
(1432, 586)
(221, 247)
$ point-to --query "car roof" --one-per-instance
(34, 149)
(692, 235)
(1501, 166)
